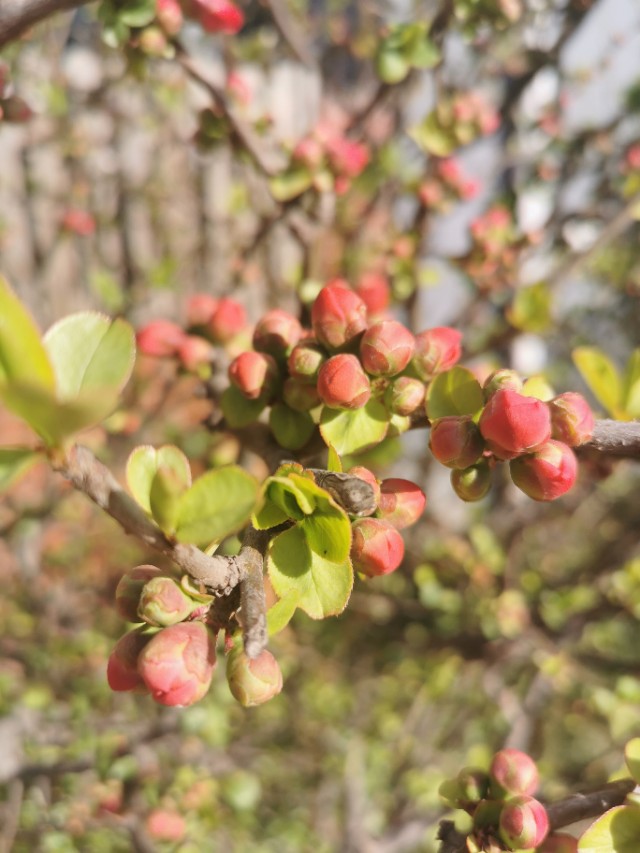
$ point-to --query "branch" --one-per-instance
(618, 438)
(582, 806)
(17, 16)
(253, 608)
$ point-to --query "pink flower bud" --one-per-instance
(200, 309)
(401, 502)
(159, 338)
(338, 316)
(513, 772)
(502, 379)
(163, 602)
(165, 825)
(309, 151)
(512, 423)
(546, 474)
(386, 348)
(373, 288)
(436, 350)
(456, 441)
(571, 419)
(227, 321)
(194, 352)
(178, 663)
(370, 478)
(277, 333)
(217, 16)
(376, 548)
(559, 842)
(343, 384)
(129, 590)
(405, 395)
(79, 222)
(300, 396)
(523, 823)
(305, 361)
(122, 672)
(254, 374)
(152, 41)
(471, 484)
(347, 157)
(169, 15)
(253, 681)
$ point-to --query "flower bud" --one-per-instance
(300, 396)
(227, 321)
(254, 374)
(194, 352)
(338, 316)
(343, 384)
(370, 478)
(163, 602)
(277, 333)
(523, 823)
(373, 288)
(165, 825)
(513, 772)
(474, 784)
(513, 424)
(571, 419)
(376, 548)
(178, 662)
(456, 441)
(253, 681)
(471, 484)
(386, 348)
(130, 588)
(305, 361)
(200, 309)
(217, 16)
(159, 338)
(405, 395)
(546, 474)
(501, 380)
(436, 350)
(122, 671)
(401, 502)
(169, 15)
(559, 842)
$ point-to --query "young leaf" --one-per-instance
(279, 615)
(334, 463)
(143, 464)
(538, 387)
(631, 386)
(164, 497)
(355, 430)
(219, 503)
(602, 377)
(432, 137)
(237, 410)
(90, 351)
(617, 831)
(632, 758)
(289, 185)
(14, 461)
(23, 359)
(291, 429)
(324, 587)
(454, 392)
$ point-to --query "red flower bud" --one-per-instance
(159, 338)
(571, 419)
(79, 222)
(512, 424)
(405, 395)
(523, 823)
(305, 361)
(347, 157)
(546, 474)
(254, 374)
(227, 321)
(501, 380)
(375, 292)
(370, 478)
(277, 333)
(559, 842)
(300, 396)
(163, 602)
(343, 384)
(471, 484)
(514, 772)
(122, 671)
(169, 15)
(377, 548)
(178, 663)
(338, 316)
(401, 502)
(436, 350)
(386, 348)
(456, 441)
(200, 309)
(129, 590)
(253, 681)
(194, 351)
(217, 16)
(164, 825)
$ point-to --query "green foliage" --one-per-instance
(23, 359)
(632, 758)
(530, 310)
(617, 831)
(618, 392)
(291, 429)
(290, 184)
(354, 430)
(454, 392)
(14, 461)
(407, 46)
(144, 463)
(238, 411)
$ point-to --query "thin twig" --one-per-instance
(17, 16)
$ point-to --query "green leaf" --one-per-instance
(279, 615)
(287, 496)
(90, 351)
(14, 461)
(391, 66)
(352, 431)
(602, 377)
(23, 359)
(425, 54)
(238, 411)
(531, 308)
(268, 516)
(167, 487)
(432, 137)
(219, 503)
(632, 758)
(328, 533)
(538, 387)
(631, 386)
(291, 184)
(137, 13)
(323, 587)
(143, 464)
(334, 463)
(291, 429)
(617, 831)
(454, 392)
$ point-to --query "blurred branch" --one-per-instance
(582, 806)
(253, 607)
(17, 16)
(291, 32)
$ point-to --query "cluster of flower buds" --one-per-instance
(463, 118)
(12, 107)
(214, 16)
(172, 654)
(447, 186)
(535, 437)
(492, 259)
(473, 14)
(506, 815)
(333, 160)
(377, 548)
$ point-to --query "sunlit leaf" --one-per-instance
(143, 464)
(219, 503)
(602, 377)
(617, 831)
(352, 431)
(454, 392)
(23, 358)
(15, 461)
